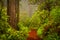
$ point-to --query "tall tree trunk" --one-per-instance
(11, 11)
(17, 10)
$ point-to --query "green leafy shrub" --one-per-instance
(23, 31)
(39, 18)
(52, 36)
(3, 21)
(55, 14)
(6, 32)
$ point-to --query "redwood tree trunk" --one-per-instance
(11, 11)
(17, 10)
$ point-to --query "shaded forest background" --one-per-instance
(29, 19)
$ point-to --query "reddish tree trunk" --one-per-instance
(17, 10)
(12, 13)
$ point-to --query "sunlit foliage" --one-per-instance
(45, 21)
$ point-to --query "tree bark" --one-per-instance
(17, 10)
(11, 11)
